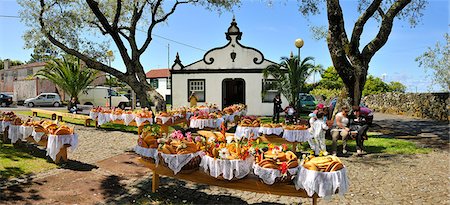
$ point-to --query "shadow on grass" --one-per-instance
(15, 191)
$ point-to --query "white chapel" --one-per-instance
(226, 75)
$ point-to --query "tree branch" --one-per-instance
(385, 29)
(117, 16)
(113, 33)
(155, 22)
(89, 62)
(359, 26)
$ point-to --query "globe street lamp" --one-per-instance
(299, 43)
(110, 56)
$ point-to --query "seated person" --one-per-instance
(290, 114)
(359, 124)
(341, 130)
(72, 106)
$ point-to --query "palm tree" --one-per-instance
(290, 77)
(68, 74)
(317, 69)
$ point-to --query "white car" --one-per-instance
(44, 99)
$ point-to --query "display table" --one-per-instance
(297, 135)
(165, 126)
(323, 184)
(249, 183)
(14, 133)
(57, 146)
(247, 132)
(205, 123)
(271, 131)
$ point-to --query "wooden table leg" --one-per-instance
(155, 181)
(34, 114)
(62, 154)
(314, 200)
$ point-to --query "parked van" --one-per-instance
(99, 96)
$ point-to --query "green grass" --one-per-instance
(108, 126)
(15, 162)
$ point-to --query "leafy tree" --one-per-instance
(351, 59)
(83, 29)
(67, 73)
(43, 51)
(114, 82)
(397, 87)
(330, 80)
(317, 69)
(438, 60)
(290, 77)
(12, 63)
(374, 85)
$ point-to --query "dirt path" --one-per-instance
(98, 175)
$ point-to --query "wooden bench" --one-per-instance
(59, 115)
(249, 183)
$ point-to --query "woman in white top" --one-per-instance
(341, 130)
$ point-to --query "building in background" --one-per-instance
(226, 75)
(20, 82)
(160, 79)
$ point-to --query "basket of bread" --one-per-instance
(250, 122)
(271, 129)
(227, 157)
(322, 164)
(181, 152)
(275, 164)
(147, 143)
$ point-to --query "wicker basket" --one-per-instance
(288, 179)
(190, 167)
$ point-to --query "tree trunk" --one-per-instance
(354, 79)
(145, 93)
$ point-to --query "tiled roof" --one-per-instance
(29, 65)
(158, 73)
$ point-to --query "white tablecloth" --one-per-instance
(246, 132)
(127, 118)
(93, 115)
(37, 136)
(271, 131)
(165, 119)
(177, 161)
(202, 123)
(4, 125)
(229, 169)
(14, 133)
(297, 135)
(26, 131)
(270, 175)
(139, 120)
(115, 117)
(147, 152)
(103, 118)
(55, 142)
(324, 184)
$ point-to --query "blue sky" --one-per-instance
(272, 29)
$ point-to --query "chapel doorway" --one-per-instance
(233, 91)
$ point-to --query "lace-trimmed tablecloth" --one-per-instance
(271, 131)
(229, 169)
(4, 125)
(14, 133)
(37, 136)
(103, 118)
(246, 132)
(324, 184)
(202, 123)
(165, 119)
(55, 142)
(26, 131)
(115, 117)
(93, 115)
(127, 118)
(177, 161)
(140, 120)
(270, 175)
(297, 135)
(147, 152)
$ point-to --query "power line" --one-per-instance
(8, 16)
(165, 38)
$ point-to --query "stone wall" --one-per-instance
(422, 105)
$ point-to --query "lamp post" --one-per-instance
(299, 43)
(110, 56)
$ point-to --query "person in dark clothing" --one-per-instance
(359, 124)
(276, 109)
(72, 106)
